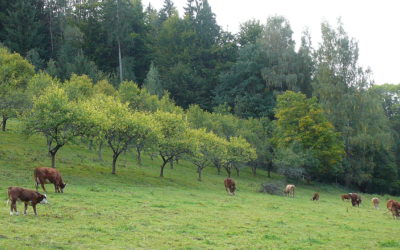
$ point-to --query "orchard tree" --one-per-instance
(206, 145)
(119, 126)
(57, 118)
(15, 72)
(174, 139)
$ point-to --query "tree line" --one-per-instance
(308, 112)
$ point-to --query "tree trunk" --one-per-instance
(100, 152)
(162, 168)
(199, 169)
(269, 173)
(237, 171)
(4, 123)
(139, 158)
(171, 164)
(228, 170)
(114, 162)
(90, 146)
(53, 159)
(53, 153)
(254, 170)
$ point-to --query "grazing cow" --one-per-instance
(315, 197)
(394, 207)
(355, 199)
(230, 186)
(375, 202)
(345, 197)
(289, 190)
(44, 175)
(29, 197)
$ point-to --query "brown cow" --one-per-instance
(29, 197)
(315, 197)
(375, 202)
(394, 207)
(355, 199)
(289, 190)
(230, 186)
(44, 175)
(345, 197)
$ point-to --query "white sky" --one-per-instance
(375, 24)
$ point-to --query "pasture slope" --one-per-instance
(136, 209)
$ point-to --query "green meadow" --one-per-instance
(136, 209)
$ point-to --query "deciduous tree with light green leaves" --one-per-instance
(302, 121)
(174, 138)
(205, 147)
(15, 72)
(118, 125)
(57, 118)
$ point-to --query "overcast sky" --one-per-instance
(375, 24)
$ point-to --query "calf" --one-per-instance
(375, 202)
(44, 175)
(29, 197)
(289, 190)
(345, 197)
(230, 186)
(355, 199)
(315, 197)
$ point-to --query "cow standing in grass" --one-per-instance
(345, 197)
(289, 190)
(375, 202)
(29, 197)
(394, 207)
(44, 175)
(230, 186)
(355, 199)
(315, 197)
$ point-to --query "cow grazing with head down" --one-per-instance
(315, 197)
(44, 175)
(230, 186)
(345, 197)
(375, 202)
(355, 199)
(28, 197)
(394, 207)
(289, 190)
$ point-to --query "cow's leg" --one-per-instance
(15, 207)
(42, 184)
(36, 186)
(11, 207)
(34, 208)
(25, 208)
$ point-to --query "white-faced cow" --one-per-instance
(289, 190)
(28, 197)
(44, 175)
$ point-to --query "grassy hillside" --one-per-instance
(137, 209)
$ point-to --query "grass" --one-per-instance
(136, 209)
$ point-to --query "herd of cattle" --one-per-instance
(43, 175)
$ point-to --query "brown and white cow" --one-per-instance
(289, 190)
(28, 197)
(315, 197)
(345, 197)
(355, 199)
(375, 202)
(44, 175)
(230, 186)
